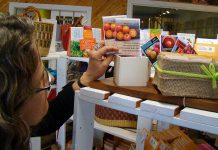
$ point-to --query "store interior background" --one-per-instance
(204, 24)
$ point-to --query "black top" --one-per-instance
(60, 110)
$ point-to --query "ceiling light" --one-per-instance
(164, 13)
(167, 12)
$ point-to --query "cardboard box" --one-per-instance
(131, 71)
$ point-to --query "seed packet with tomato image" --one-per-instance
(128, 36)
(167, 42)
(181, 47)
(109, 29)
(151, 49)
(187, 38)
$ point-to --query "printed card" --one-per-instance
(127, 36)
(109, 29)
(155, 32)
(151, 49)
(168, 42)
(181, 47)
(76, 35)
(187, 38)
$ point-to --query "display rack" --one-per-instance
(62, 61)
(84, 114)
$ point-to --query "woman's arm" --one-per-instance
(60, 110)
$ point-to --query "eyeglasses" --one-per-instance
(47, 83)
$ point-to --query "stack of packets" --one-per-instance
(124, 33)
(169, 139)
(82, 38)
(163, 42)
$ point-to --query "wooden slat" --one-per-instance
(151, 93)
(124, 100)
(94, 93)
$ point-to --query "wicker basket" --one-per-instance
(177, 75)
(112, 117)
(43, 30)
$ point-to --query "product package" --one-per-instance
(168, 42)
(151, 49)
(184, 43)
(207, 47)
(127, 36)
(109, 29)
(172, 138)
(82, 38)
(155, 33)
(144, 36)
(187, 38)
(76, 35)
(181, 47)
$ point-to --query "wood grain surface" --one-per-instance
(99, 7)
(150, 92)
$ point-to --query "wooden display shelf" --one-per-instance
(150, 92)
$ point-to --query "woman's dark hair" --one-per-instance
(18, 62)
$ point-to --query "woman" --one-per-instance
(24, 83)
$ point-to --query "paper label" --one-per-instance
(127, 36)
(153, 143)
(87, 32)
(109, 29)
(76, 33)
(187, 38)
(87, 44)
(151, 49)
(206, 49)
(96, 33)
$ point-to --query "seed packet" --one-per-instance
(155, 32)
(87, 44)
(181, 47)
(187, 38)
(109, 29)
(127, 36)
(151, 49)
(76, 35)
(97, 34)
(207, 47)
(81, 39)
(144, 36)
(168, 42)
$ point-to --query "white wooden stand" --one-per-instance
(84, 121)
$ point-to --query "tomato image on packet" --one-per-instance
(168, 42)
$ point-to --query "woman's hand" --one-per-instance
(99, 61)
